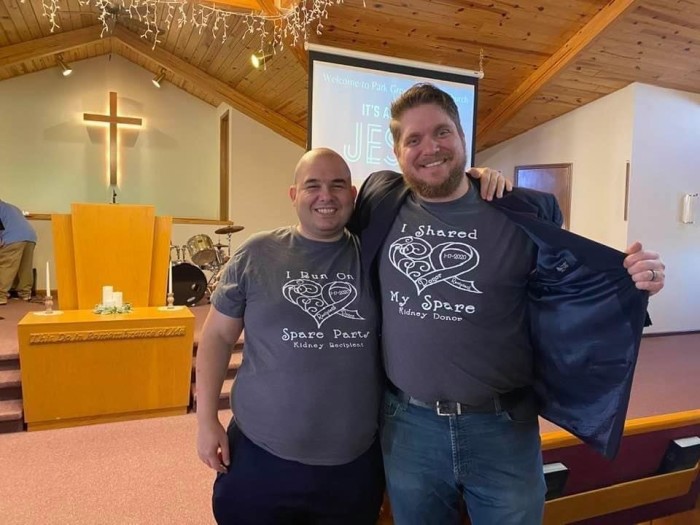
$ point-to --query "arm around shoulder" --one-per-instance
(377, 186)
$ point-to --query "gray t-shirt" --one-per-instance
(454, 302)
(309, 386)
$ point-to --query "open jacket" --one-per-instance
(585, 314)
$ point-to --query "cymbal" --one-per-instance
(220, 245)
(228, 229)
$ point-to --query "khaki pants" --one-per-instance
(16, 261)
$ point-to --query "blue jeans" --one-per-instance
(431, 462)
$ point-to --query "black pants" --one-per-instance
(263, 489)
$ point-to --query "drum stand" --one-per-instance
(228, 231)
(228, 247)
(224, 257)
(179, 250)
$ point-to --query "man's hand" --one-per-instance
(212, 445)
(492, 182)
(646, 268)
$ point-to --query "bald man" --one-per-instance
(302, 446)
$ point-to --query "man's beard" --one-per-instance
(437, 191)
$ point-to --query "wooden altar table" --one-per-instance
(80, 368)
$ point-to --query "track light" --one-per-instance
(158, 78)
(259, 60)
(65, 67)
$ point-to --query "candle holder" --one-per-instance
(170, 304)
(48, 310)
(48, 303)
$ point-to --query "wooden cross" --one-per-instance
(112, 119)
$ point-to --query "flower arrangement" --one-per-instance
(101, 309)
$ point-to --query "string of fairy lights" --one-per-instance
(273, 30)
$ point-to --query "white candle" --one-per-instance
(48, 280)
(170, 277)
(118, 299)
(107, 293)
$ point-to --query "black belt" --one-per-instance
(454, 408)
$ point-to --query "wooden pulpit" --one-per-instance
(124, 246)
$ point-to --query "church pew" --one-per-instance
(626, 490)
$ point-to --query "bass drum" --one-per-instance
(189, 284)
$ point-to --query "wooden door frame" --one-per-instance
(224, 166)
(564, 206)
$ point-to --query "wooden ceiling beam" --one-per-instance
(49, 45)
(247, 5)
(276, 122)
(268, 7)
(563, 57)
(301, 55)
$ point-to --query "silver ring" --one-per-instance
(653, 275)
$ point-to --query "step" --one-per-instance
(236, 360)
(9, 353)
(11, 419)
(223, 395)
(10, 378)
(233, 364)
(10, 385)
(238, 347)
(10, 363)
(10, 410)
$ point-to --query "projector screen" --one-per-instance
(349, 104)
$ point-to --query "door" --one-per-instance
(550, 178)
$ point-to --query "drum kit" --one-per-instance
(190, 283)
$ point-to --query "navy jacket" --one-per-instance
(586, 316)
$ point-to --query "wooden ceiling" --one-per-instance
(541, 58)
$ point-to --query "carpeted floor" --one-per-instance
(147, 471)
(137, 473)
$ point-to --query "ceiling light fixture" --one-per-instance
(258, 59)
(158, 78)
(65, 67)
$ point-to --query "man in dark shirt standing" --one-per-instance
(460, 416)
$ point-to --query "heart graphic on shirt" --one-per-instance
(322, 302)
(426, 265)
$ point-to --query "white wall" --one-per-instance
(50, 157)
(262, 169)
(658, 131)
(597, 140)
(665, 166)
(47, 153)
